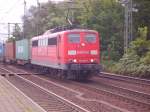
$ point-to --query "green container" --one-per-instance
(23, 49)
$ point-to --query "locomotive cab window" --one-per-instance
(74, 38)
(90, 38)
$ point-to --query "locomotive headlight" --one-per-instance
(74, 60)
(83, 44)
(72, 52)
(93, 52)
(92, 60)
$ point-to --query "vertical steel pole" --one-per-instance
(8, 30)
(131, 20)
(38, 15)
(71, 8)
(128, 27)
(24, 19)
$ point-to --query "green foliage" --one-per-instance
(140, 46)
(132, 65)
(105, 16)
(17, 33)
(107, 65)
(38, 20)
(115, 55)
(137, 61)
(142, 31)
(142, 17)
(127, 65)
(11, 39)
(146, 59)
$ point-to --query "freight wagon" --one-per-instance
(10, 52)
(23, 51)
(2, 51)
(67, 53)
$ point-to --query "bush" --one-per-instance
(107, 65)
(140, 46)
(128, 64)
(136, 62)
(146, 59)
(131, 65)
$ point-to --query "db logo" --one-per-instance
(83, 52)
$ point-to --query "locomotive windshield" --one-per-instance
(74, 38)
(90, 38)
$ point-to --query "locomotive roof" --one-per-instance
(49, 34)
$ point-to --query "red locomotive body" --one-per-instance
(75, 53)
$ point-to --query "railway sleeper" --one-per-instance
(7, 74)
(12, 74)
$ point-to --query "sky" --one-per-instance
(11, 11)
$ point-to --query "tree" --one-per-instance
(142, 17)
(40, 19)
(137, 60)
(17, 33)
(105, 16)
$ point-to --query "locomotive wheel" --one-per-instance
(28, 66)
(82, 75)
(63, 75)
(71, 75)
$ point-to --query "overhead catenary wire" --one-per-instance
(7, 13)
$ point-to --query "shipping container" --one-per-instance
(10, 52)
(1, 51)
(23, 51)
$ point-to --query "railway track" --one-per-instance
(133, 97)
(126, 88)
(72, 95)
(133, 101)
(75, 96)
(49, 101)
(126, 100)
(125, 78)
(130, 83)
(138, 96)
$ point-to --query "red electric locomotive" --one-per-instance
(73, 53)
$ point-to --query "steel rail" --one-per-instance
(124, 78)
(71, 104)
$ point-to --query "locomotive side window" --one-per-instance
(90, 38)
(45, 42)
(74, 38)
(39, 42)
(52, 41)
(42, 42)
(35, 43)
